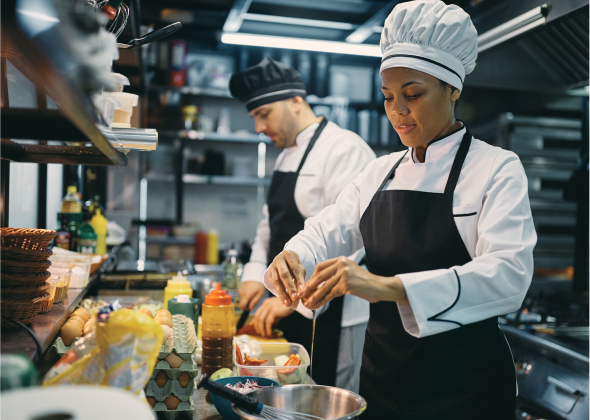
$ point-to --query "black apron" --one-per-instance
(286, 222)
(464, 373)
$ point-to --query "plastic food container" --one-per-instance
(64, 281)
(122, 115)
(270, 351)
(81, 270)
(48, 304)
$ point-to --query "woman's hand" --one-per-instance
(287, 275)
(270, 312)
(341, 276)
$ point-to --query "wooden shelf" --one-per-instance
(45, 326)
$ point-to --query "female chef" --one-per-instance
(448, 234)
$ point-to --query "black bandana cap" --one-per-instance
(266, 82)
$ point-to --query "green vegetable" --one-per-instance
(222, 373)
(281, 360)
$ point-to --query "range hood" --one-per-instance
(544, 48)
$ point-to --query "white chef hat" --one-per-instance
(429, 36)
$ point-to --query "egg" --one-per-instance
(82, 313)
(88, 328)
(145, 311)
(171, 402)
(161, 379)
(184, 379)
(165, 321)
(174, 360)
(165, 312)
(151, 401)
(69, 332)
(78, 320)
(75, 324)
(167, 332)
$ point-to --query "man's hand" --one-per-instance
(270, 312)
(287, 275)
(250, 294)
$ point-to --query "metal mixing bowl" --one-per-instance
(327, 402)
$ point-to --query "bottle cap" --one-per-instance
(232, 253)
(72, 189)
(183, 299)
(218, 297)
(178, 279)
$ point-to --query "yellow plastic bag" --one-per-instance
(121, 353)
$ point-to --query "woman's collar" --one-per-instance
(439, 147)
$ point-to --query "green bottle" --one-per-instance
(86, 239)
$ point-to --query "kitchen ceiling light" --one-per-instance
(301, 44)
(512, 28)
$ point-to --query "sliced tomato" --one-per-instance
(293, 361)
(239, 357)
(251, 361)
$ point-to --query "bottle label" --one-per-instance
(63, 241)
(86, 246)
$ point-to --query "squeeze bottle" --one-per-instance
(212, 247)
(217, 331)
(177, 285)
(99, 223)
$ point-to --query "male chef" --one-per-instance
(318, 160)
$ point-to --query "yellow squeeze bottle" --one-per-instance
(177, 285)
(99, 223)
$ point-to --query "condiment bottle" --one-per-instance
(99, 223)
(201, 248)
(86, 239)
(217, 331)
(177, 285)
(187, 306)
(212, 247)
(71, 203)
(64, 235)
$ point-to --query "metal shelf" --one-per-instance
(170, 239)
(226, 137)
(76, 117)
(225, 180)
(211, 179)
(196, 91)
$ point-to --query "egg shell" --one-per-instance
(184, 379)
(82, 313)
(165, 321)
(145, 311)
(68, 333)
(171, 402)
(161, 379)
(164, 312)
(151, 401)
(167, 333)
(75, 324)
(78, 320)
(174, 360)
(88, 328)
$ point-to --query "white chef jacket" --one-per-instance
(336, 159)
(493, 217)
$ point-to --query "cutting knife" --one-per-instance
(242, 319)
(152, 36)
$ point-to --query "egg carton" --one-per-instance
(61, 348)
(184, 408)
(175, 373)
(172, 386)
(184, 338)
(188, 365)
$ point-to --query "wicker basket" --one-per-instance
(14, 293)
(19, 267)
(25, 255)
(23, 280)
(27, 239)
(23, 310)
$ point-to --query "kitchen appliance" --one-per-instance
(550, 346)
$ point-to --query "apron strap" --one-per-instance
(316, 135)
(391, 173)
(458, 163)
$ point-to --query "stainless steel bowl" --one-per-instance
(327, 402)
